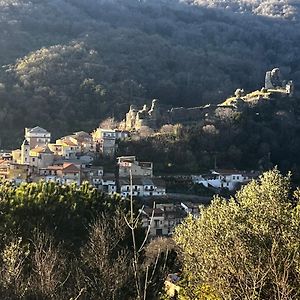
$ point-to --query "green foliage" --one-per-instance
(64, 210)
(72, 242)
(248, 245)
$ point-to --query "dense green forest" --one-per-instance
(67, 64)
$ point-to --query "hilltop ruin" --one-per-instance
(155, 116)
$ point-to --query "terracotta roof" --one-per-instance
(70, 168)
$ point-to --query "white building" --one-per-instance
(142, 187)
(230, 179)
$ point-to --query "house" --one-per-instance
(65, 148)
(41, 157)
(37, 136)
(66, 173)
(105, 140)
(174, 215)
(155, 218)
(141, 187)
(19, 172)
(6, 156)
(84, 140)
(129, 163)
(16, 155)
(108, 184)
(4, 167)
(94, 176)
(162, 219)
(126, 189)
(221, 178)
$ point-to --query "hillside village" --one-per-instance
(71, 159)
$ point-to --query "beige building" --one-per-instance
(41, 157)
(65, 148)
(105, 140)
(129, 163)
(81, 139)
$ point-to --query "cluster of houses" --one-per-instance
(70, 160)
(164, 217)
(229, 179)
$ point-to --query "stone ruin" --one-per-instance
(275, 83)
(151, 117)
(154, 117)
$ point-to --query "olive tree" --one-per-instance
(246, 247)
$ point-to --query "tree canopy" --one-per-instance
(247, 246)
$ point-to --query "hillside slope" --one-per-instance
(66, 64)
(287, 9)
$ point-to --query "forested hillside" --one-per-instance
(258, 138)
(66, 64)
(287, 9)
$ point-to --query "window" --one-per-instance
(158, 231)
